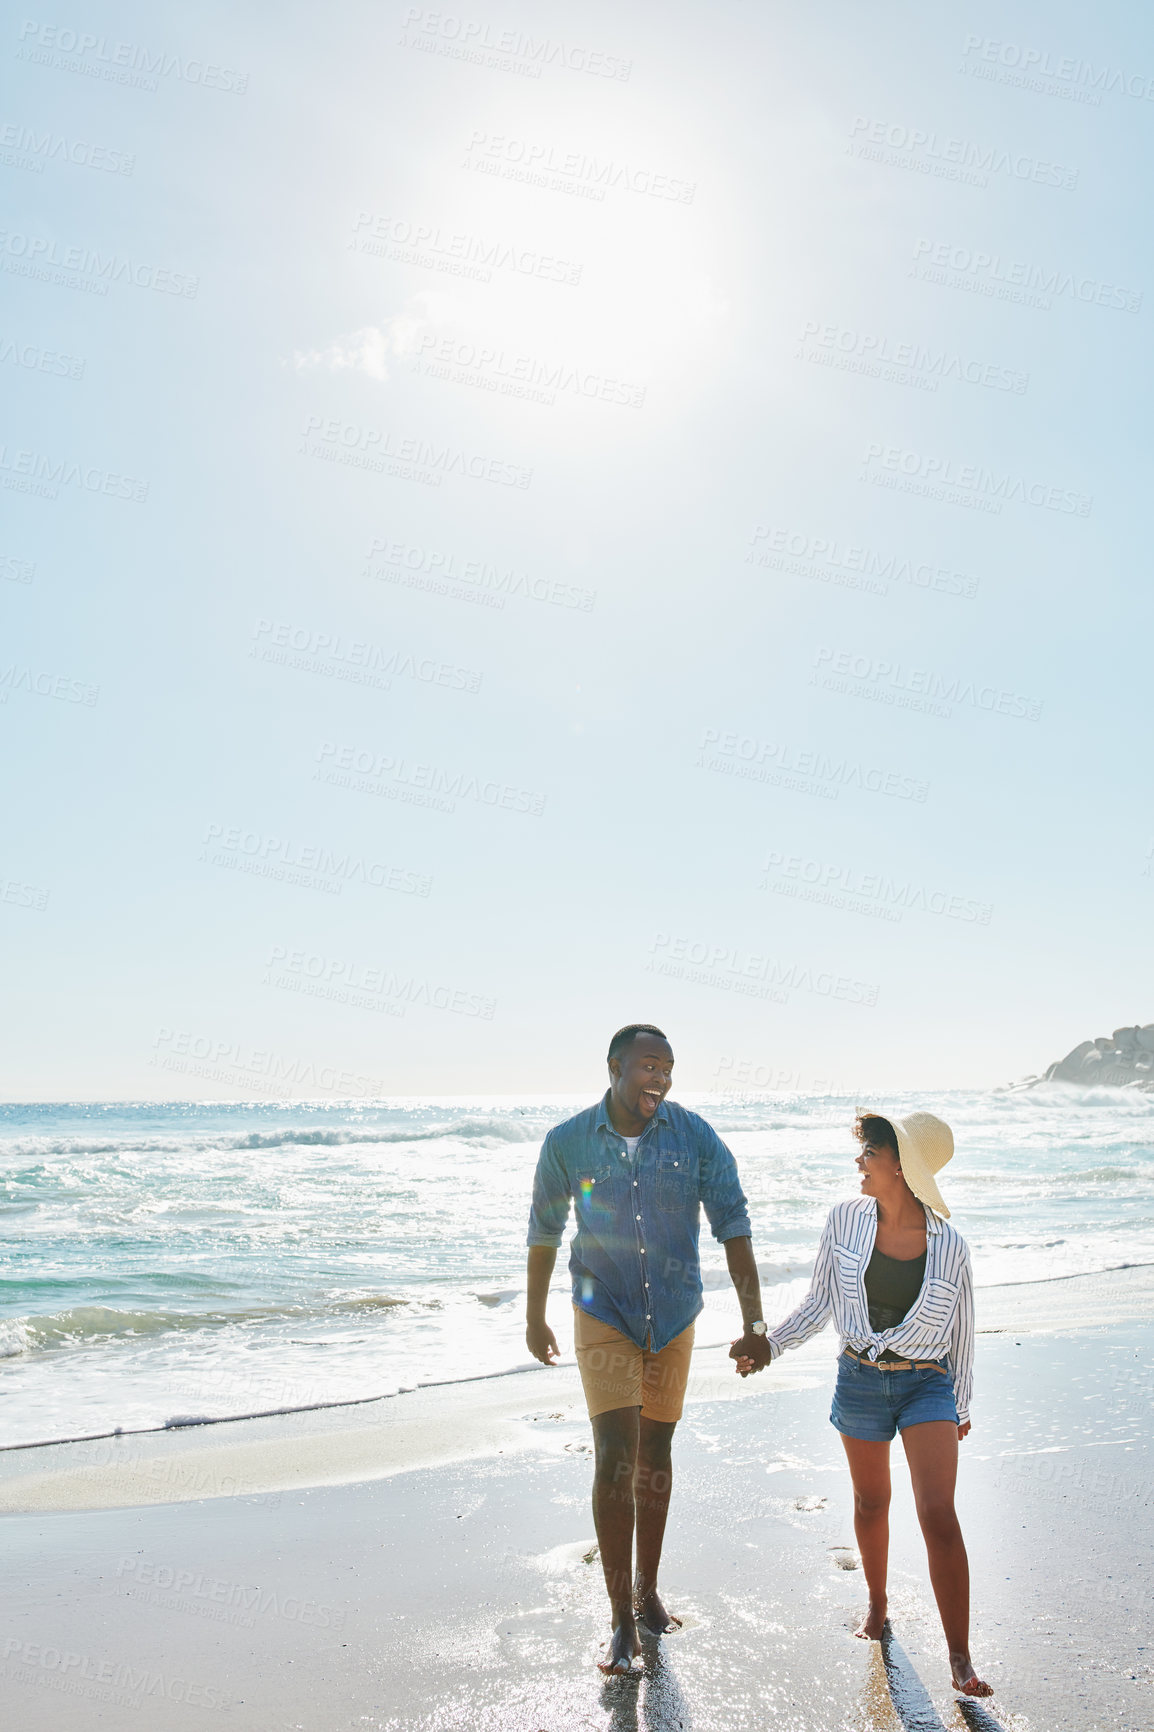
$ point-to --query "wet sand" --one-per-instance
(425, 1562)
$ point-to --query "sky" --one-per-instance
(534, 518)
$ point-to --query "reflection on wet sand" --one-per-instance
(977, 1718)
(894, 1695)
(908, 1694)
(879, 1713)
(650, 1699)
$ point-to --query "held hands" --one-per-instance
(752, 1353)
(541, 1342)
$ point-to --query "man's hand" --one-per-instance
(541, 1342)
(963, 1431)
(752, 1353)
(539, 1338)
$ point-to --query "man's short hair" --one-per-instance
(626, 1036)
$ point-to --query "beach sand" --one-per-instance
(426, 1561)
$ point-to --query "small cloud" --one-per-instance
(366, 351)
(370, 349)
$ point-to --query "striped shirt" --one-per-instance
(938, 1325)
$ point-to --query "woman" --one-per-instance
(896, 1279)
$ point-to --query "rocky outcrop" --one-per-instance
(1123, 1060)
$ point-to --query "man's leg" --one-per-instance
(664, 1383)
(615, 1438)
(869, 1467)
(652, 1485)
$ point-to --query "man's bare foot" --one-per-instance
(623, 1648)
(966, 1680)
(872, 1625)
(651, 1611)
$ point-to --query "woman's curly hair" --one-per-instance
(877, 1132)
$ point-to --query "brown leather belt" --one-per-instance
(896, 1364)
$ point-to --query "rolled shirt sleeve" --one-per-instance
(721, 1194)
(961, 1354)
(813, 1313)
(551, 1198)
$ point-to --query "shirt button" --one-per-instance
(635, 1184)
(643, 1250)
(639, 1217)
(648, 1318)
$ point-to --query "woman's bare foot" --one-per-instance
(966, 1680)
(623, 1648)
(652, 1613)
(871, 1627)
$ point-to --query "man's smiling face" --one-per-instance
(642, 1077)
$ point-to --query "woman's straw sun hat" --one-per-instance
(925, 1144)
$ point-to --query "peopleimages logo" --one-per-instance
(369, 988)
(891, 682)
(805, 772)
(37, 682)
(438, 570)
(394, 777)
(877, 356)
(874, 894)
(459, 254)
(119, 62)
(384, 452)
(354, 659)
(179, 1589)
(966, 483)
(521, 376)
(14, 570)
(37, 148)
(21, 895)
(737, 970)
(929, 152)
(1014, 63)
(118, 1683)
(259, 1067)
(1015, 280)
(38, 360)
(571, 171)
(504, 50)
(36, 472)
(50, 261)
(311, 865)
(850, 565)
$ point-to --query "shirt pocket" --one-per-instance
(936, 1303)
(597, 1189)
(848, 1266)
(674, 1181)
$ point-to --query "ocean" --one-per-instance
(187, 1261)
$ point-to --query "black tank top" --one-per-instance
(892, 1284)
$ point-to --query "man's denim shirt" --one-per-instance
(634, 1257)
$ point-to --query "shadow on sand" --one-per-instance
(911, 1699)
(650, 1699)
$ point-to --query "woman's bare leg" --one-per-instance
(869, 1467)
(932, 1452)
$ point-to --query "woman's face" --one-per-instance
(878, 1168)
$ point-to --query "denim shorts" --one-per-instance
(872, 1405)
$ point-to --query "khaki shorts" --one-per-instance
(615, 1372)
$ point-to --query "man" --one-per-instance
(638, 1169)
